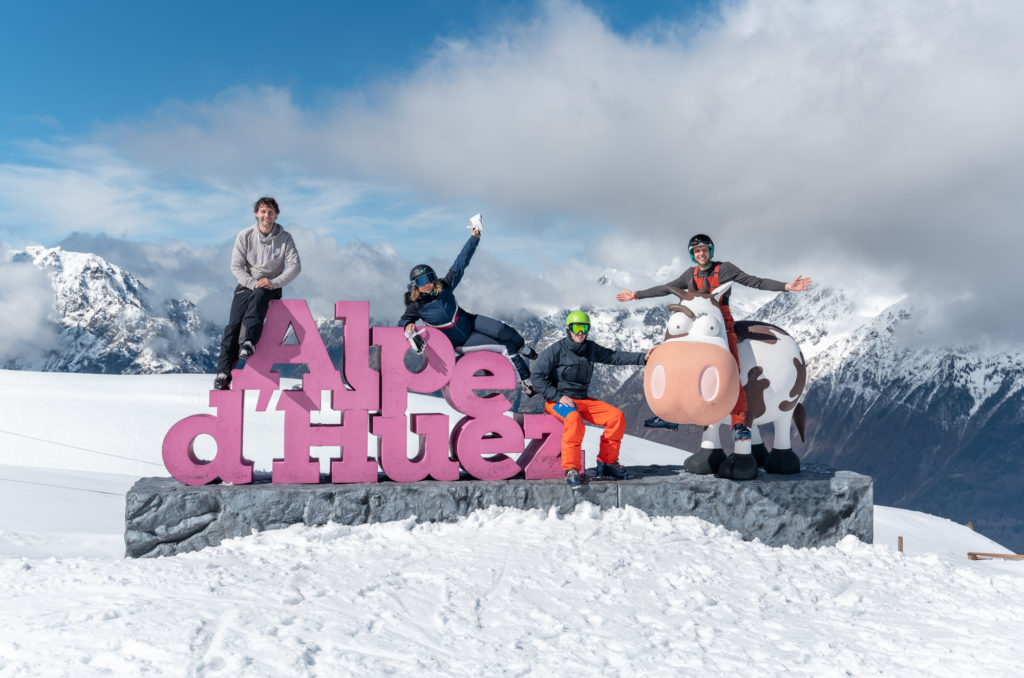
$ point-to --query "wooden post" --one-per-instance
(899, 543)
(973, 555)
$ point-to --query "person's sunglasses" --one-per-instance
(424, 279)
(579, 328)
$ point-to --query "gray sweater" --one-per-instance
(265, 256)
(727, 271)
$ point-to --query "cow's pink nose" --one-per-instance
(709, 383)
(691, 382)
(658, 381)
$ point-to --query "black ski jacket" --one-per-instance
(565, 367)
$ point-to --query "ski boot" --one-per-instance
(658, 422)
(613, 470)
(245, 351)
(572, 476)
(528, 390)
(222, 382)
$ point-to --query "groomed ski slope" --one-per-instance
(503, 592)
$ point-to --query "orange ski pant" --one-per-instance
(598, 413)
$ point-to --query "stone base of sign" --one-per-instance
(817, 507)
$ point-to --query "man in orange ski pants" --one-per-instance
(562, 375)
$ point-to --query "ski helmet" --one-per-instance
(578, 319)
(697, 241)
(421, 276)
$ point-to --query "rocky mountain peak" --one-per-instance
(109, 322)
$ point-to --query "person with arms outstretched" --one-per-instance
(705, 276)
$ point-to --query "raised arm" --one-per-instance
(458, 268)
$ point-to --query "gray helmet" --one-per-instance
(421, 276)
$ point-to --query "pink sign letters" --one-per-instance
(485, 442)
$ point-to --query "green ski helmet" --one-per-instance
(577, 318)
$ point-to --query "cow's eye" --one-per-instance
(678, 324)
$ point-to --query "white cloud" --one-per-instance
(872, 145)
(26, 305)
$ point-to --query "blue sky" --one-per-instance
(852, 142)
(79, 63)
(72, 64)
(84, 68)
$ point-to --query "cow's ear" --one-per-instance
(678, 292)
(720, 290)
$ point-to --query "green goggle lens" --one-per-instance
(577, 328)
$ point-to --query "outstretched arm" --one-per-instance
(681, 283)
(626, 295)
(608, 356)
(799, 284)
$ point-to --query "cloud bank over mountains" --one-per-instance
(874, 148)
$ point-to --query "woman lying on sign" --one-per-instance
(431, 300)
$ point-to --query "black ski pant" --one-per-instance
(490, 332)
(248, 309)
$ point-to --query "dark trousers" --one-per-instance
(489, 332)
(248, 309)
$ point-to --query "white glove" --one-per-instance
(416, 341)
(476, 223)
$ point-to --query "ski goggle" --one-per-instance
(424, 279)
(579, 328)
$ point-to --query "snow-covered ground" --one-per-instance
(503, 592)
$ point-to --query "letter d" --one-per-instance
(225, 428)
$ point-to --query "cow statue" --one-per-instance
(691, 378)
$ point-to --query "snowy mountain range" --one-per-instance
(937, 428)
(107, 321)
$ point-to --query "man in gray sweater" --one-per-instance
(264, 260)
